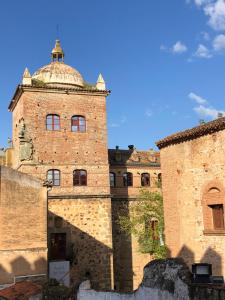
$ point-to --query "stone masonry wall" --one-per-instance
(23, 225)
(128, 260)
(189, 170)
(87, 223)
(84, 211)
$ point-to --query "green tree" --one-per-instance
(145, 221)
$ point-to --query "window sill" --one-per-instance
(214, 232)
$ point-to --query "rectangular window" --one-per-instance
(218, 216)
(58, 246)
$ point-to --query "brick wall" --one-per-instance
(188, 168)
(23, 225)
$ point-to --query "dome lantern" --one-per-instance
(57, 52)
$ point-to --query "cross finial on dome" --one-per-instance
(57, 52)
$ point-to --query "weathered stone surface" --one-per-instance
(163, 280)
(23, 225)
(193, 180)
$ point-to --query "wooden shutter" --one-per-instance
(218, 219)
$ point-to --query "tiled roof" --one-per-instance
(21, 290)
(193, 133)
(133, 157)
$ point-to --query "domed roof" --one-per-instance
(57, 73)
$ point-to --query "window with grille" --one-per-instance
(145, 179)
(112, 177)
(128, 179)
(78, 124)
(52, 122)
(79, 177)
(53, 176)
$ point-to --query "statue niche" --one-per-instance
(26, 144)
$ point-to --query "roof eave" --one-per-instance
(193, 133)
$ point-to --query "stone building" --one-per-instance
(193, 168)
(23, 235)
(60, 135)
(130, 170)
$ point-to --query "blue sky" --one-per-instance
(163, 60)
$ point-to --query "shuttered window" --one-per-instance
(218, 217)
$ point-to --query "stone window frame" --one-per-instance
(213, 194)
(53, 125)
(55, 181)
(82, 181)
(81, 128)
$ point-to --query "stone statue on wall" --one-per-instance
(26, 144)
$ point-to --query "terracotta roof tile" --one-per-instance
(21, 290)
(193, 133)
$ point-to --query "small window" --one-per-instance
(78, 124)
(54, 177)
(128, 179)
(151, 227)
(79, 177)
(159, 180)
(218, 216)
(112, 177)
(57, 246)
(53, 122)
(145, 179)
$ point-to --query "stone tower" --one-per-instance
(60, 135)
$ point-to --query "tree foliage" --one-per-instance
(145, 221)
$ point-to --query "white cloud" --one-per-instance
(205, 35)
(114, 125)
(219, 42)
(204, 111)
(202, 52)
(119, 123)
(214, 10)
(179, 48)
(148, 113)
(200, 2)
(197, 99)
(216, 13)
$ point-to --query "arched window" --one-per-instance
(79, 177)
(78, 124)
(128, 179)
(145, 179)
(53, 176)
(112, 178)
(52, 122)
(213, 206)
